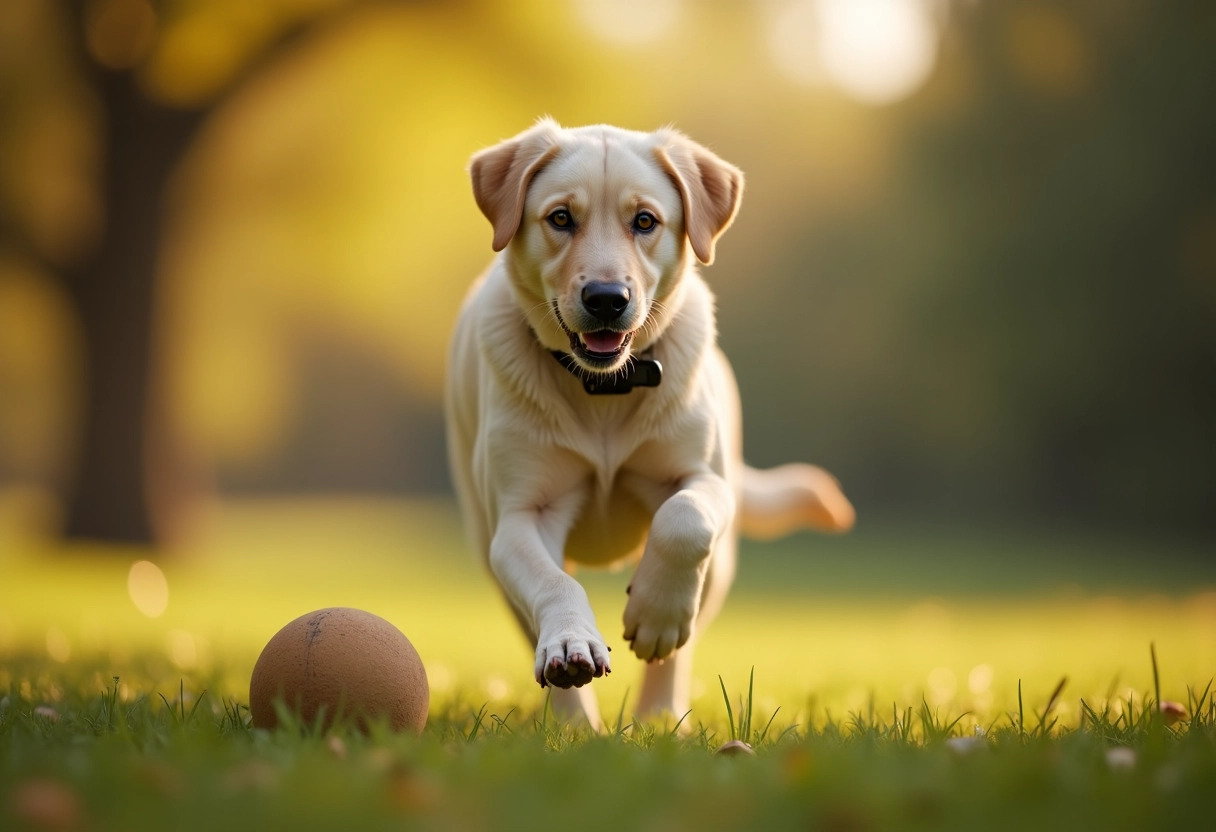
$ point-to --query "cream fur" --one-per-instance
(549, 476)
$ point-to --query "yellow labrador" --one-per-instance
(591, 417)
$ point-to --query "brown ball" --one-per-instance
(736, 748)
(354, 664)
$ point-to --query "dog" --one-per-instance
(591, 417)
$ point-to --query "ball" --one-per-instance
(736, 748)
(354, 665)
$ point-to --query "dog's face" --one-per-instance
(600, 239)
(598, 223)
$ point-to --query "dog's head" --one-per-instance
(598, 224)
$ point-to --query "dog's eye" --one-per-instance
(561, 219)
(644, 222)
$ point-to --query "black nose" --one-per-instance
(606, 301)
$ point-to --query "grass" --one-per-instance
(83, 751)
(930, 701)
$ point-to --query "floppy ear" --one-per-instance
(501, 175)
(709, 188)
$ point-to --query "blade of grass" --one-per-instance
(501, 722)
(1021, 713)
(746, 732)
(730, 716)
(1043, 728)
(197, 702)
(1152, 651)
(477, 720)
(767, 725)
(620, 714)
(675, 731)
(169, 707)
(544, 712)
(1090, 715)
(1196, 705)
(113, 705)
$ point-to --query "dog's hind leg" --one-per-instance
(577, 706)
(667, 685)
(778, 501)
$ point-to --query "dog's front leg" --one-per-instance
(666, 589)
(525, 554)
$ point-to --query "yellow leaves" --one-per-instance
(330, 198)
(47, 166)
(119, 33)
(230, 385)
(188, 53)
(195, 58)
(36, 371)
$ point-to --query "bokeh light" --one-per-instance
(877, 51)
(979, 680)
(497, 688)
(182, 648)
(148, 588)
(630, 22)
(57, 645)
(942, 684)
(120, 33)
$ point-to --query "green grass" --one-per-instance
(84, 751)
(924, 679)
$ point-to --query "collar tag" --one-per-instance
(640, 372)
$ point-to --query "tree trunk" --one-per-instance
(113, 291)
(113, 294)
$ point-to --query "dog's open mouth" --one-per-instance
(601, 344)
(598, 349)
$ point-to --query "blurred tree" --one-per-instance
(156, 72)
(1018, 325)
(994, 298)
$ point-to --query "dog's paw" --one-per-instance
(660, 612)
(571, 657)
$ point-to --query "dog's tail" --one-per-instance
(778, 501)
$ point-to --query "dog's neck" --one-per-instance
(639, 371)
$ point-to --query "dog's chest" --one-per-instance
(620, 496)
(606, 435)
(611, 526)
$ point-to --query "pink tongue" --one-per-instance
(603, 341)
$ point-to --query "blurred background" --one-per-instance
(974, 274)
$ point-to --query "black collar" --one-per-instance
(638, 372)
